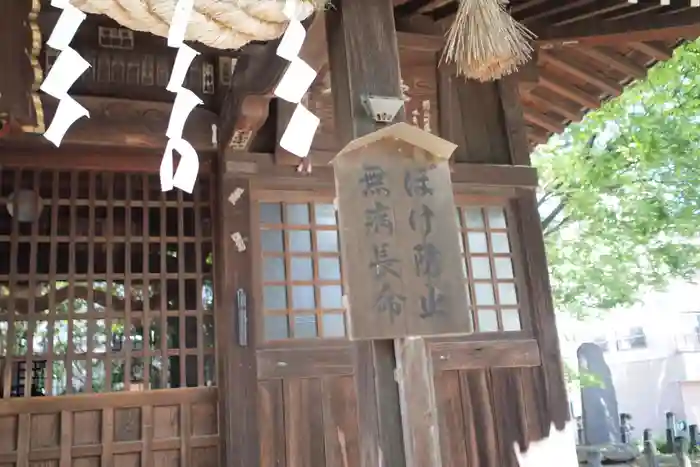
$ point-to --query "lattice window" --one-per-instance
(105, 284)
(489, 268)
(302, 286)
(115, 38)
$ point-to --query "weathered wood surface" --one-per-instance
(19, 83)
(127, 123)
(90, 405)
(406, 276)
(364, 59)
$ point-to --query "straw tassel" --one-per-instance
(485, 42)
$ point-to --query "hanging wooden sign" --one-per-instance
(399, 238)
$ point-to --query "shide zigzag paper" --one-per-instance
(185, 102)
(66, 70)
(295, 83)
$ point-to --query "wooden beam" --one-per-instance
(247, 101)
(654, 50)
(571, 112)
(640, 28)
(538, 135)
(314, 51)
(37, 153)
(128, 123)
(475, 355)
(566, 65)
(542, 120)
(568, 91)
(528, 75)
(614, 60)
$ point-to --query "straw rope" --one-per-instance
(223, 24)
(485, 42)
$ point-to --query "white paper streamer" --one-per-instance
(291, 42)
(65, 72)
(185, 102)
(67, 113)
(295, 83)
(300, 131)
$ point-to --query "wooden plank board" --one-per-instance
(405, 277)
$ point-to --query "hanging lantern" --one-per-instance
(28, 203)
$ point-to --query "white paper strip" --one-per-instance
(297, 10)
(67, 113)
(188, 168)
(66, 70)
(300, 131)
(62, 4)
(66, 27)
(178, 24)
(185, 101)
(189, 164)
(695, 3)
(295, 82)
(291, 42)
(183, 60)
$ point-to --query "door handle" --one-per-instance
(242, 307)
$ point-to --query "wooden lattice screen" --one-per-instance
(301, 267)
(105, 284)
(494, 282)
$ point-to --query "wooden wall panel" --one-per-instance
(483, 412)
(309, 422)
(163, 428)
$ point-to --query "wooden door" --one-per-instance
(310, 379)
(308, 405)
(107, 345)
(489, 386)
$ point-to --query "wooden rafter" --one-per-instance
(654, 50)
(568, 91)
(638, 28)
(571, 112)
(606, 85)
(548, 123)
(596, 10)
(614, 60)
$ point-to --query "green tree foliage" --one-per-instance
(621, 191)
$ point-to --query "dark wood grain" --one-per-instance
(364, 59)
(237, 379)
(496, 354)
(22, 76)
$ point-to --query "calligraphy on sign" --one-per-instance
(399, 238)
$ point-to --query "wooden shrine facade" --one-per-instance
(141, 328)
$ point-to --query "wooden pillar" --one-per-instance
(530, 229)
(236, 359)
(395, 429)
